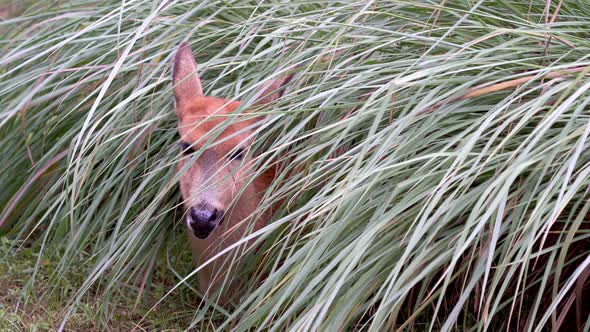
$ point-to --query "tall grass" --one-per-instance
(432, 156)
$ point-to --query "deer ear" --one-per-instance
(273, 90)
(187, 84)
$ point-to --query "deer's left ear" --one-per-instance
(273, 90)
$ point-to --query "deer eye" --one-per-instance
(237, 154)
(186, 148)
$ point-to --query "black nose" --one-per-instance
(204, 220)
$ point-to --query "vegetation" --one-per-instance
(432, 160)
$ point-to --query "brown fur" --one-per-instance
(213, 178)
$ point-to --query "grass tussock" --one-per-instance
(432, 158)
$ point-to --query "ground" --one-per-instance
(48, 299)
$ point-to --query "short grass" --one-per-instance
(43, 306)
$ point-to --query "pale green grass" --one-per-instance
(407, 202)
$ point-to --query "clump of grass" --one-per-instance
(433, 157)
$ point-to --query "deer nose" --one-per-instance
(204, 220)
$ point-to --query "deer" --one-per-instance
(218, 192)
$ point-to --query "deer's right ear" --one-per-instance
(187, 85)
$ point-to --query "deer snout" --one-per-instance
(202, 221)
